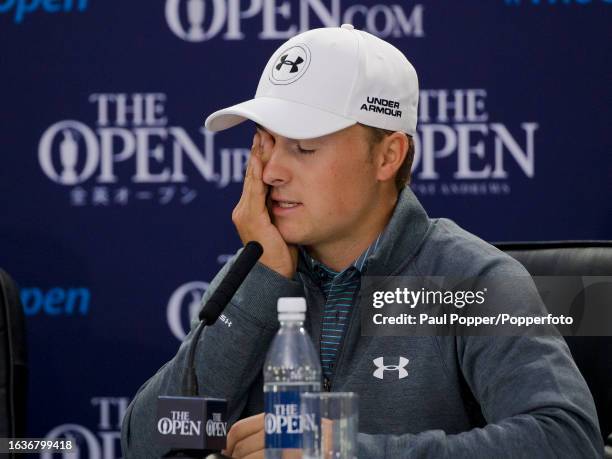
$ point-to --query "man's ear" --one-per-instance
(390, 155)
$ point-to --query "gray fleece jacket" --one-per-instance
(464, 397)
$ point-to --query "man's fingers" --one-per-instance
(257, 455)
(267, 142)
(293, 252)
(326, 428)
(248, 175)
(257, 168)
(250, 425)
(250, 445)
(255, 151)
(242, 429)
(248, 172)
(254, 191)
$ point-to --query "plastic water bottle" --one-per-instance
(292, 367)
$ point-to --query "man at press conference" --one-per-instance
(325, 194)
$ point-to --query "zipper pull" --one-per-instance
(326, 384)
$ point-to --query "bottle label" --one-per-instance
(282, 420)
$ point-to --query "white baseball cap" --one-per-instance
(327, 79)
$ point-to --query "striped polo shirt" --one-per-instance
(339, 289)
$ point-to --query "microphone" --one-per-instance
(180, 419)
(231, 282)
(217, 302)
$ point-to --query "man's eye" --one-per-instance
(304, 151)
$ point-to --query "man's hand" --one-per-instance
(251, 217)
(246, 438)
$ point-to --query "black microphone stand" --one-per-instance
(208, 316)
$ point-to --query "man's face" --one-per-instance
(323, 190)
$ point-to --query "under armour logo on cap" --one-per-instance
(294, 65)
(290, 65)
(381, 367)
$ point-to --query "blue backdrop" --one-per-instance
(116, 203)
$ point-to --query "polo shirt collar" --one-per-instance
(319, 270)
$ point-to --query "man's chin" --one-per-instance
(291, 235)
(292, 240)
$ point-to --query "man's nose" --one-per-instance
(275, 163)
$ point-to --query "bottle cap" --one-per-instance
(292, 304)
(291, 308)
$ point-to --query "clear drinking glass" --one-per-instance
(329, 425)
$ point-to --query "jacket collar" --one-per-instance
(404, 235)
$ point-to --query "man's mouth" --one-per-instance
(286, 204)
(281, 206)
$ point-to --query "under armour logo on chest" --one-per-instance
(381, 367)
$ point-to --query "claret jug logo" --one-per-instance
(70, 133)
(185, 301)
(291, 65)
(131, 153)
(91, 444)
(179, 424)
(201, 20)
(216, 427)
